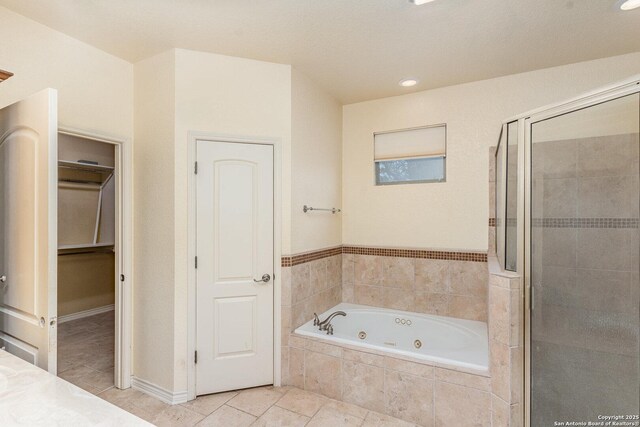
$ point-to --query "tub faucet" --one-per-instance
(325, 325)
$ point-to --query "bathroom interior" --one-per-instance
(196, 232)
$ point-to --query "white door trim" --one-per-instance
(277, 248)
(124, 250)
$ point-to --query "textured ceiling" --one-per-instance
(356, 49)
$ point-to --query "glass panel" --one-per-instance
(511, 222)
(410, 170)
(500, 197)
(584, 264)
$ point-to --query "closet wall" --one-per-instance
(86, 262)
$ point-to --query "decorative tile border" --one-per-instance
(416, 253)
(585, 222)
(290, 261)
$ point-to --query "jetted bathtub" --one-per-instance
(436, 339)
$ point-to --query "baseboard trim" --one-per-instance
(86, 313)
(172, 398)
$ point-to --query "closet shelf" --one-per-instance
(78, 172)
(85, 166)
(85, 246)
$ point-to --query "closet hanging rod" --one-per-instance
(306, 209)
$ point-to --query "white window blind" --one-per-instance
(410, 144)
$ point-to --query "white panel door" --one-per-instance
(234, 338)
(28, 229)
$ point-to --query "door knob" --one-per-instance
(265, 278)
(3, 279)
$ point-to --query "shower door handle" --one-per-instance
(265, 279)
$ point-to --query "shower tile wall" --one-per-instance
(433, 286)
(506, 346)
(586, 256)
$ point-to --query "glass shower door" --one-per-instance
(584, 264)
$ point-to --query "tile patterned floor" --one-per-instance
(85, 353)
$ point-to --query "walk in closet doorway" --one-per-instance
(89, 261)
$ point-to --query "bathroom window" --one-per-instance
(410, 156)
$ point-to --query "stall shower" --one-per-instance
(567, 213)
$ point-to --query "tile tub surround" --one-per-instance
(317, 280)
(315, 287)
(424, 394)
(432, 286)
(311, 282)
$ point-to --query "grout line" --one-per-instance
(241, 410)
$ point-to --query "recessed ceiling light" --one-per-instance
(630, 4)
(419, 2)
(408, 82)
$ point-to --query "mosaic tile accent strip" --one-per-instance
(585, 222)
(290, 261)
(416, 253)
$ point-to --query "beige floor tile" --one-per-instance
(86, 351)
(176, 416)
(97, 379)
(347, 408)
(331, 417)
(302, 402)
(282, 389)
(139, 412)
(255, 401)
(103, 363)
(74, 373)
(64, 364)
(280, 417)
(226, 416)
(120, 397)
(209, 403)
(149, 403)
(86, 387)
(374, 419)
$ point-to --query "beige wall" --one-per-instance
(85, 281)
(451, 215)
(316, 175)
(154, 219)
(194, 91)
(177, 92)
(95, 93)
(95, 89)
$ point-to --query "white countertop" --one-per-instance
(30, 396)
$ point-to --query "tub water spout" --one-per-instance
(325, 325)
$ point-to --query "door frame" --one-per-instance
(124, 250)
(193, 138)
